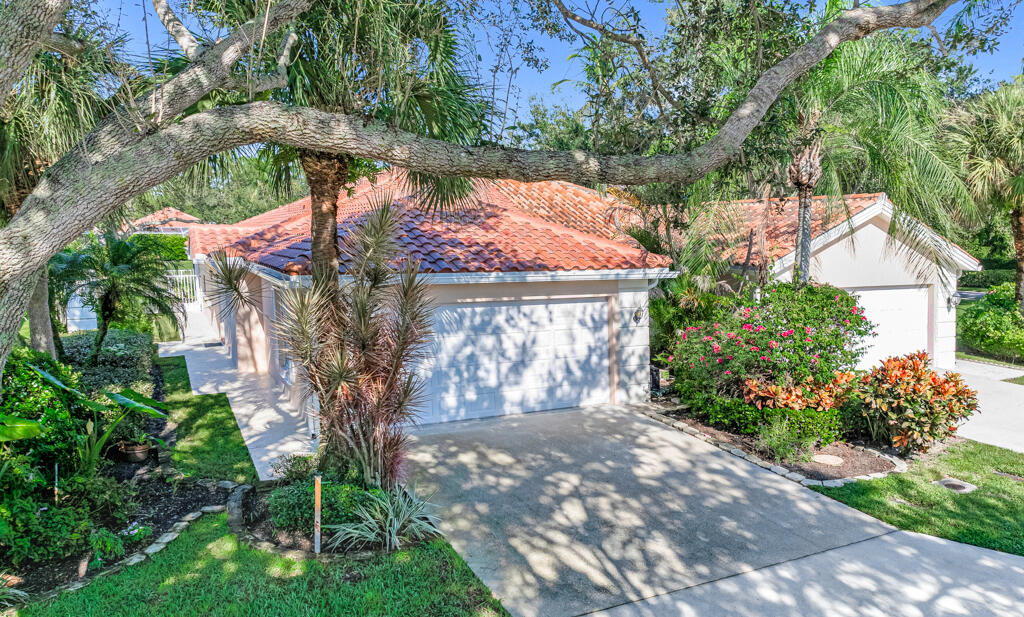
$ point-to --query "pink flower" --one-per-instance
(863, 318)
(691, 365)
(731, 335)
(854, 310)
(717, 348)
(846, 321)
(684, 336)
(807, 340)
(807, 329)
(719, 360)
(837, 297)
(702, 358)
(759, 328)
(707, 338)
(716, 326)
(763, 358)
(784, 333)
(773, 344)
(730, 357)
(755, 348)
(670, 358)
(748, 327)
(728, 372)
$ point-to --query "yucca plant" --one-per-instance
(388, 520)
(356, 348)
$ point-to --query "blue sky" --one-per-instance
(1001, 65)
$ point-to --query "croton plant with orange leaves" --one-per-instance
(909, 405)
(810, 394)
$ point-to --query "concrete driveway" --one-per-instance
(1000, 417)
(603, 511)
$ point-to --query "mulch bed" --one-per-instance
(161, 505)
(855, 462)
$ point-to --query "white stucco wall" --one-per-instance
(868, 258)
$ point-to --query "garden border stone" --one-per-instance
(655, 411)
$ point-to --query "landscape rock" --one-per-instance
(154, 548)
(796, 477)
(832, 483)
(191, 516)
(132, 559)
(170, 536)
(213, 509)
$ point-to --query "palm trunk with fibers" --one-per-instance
(326, 175)
(104, 313)
(804, 173)
(40, 326)
(1017, 224)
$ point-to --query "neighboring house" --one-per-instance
(906, 281)
(531, 313)
(165, 221)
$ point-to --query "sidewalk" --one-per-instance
(270, 429)
(1000, 418)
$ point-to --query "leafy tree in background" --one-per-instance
(987, 136)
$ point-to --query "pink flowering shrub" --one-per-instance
(790, 335)
(791, 338)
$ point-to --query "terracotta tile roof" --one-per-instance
(506, 228)
(568, 204)
(166, 218)
(774, 223)
(206, 239)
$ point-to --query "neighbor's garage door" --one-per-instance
(901, 317)
(490, 359)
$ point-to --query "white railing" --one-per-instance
(183, 284)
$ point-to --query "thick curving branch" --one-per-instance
(25, 25)
(185, 39)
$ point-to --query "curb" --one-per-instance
(654, 412)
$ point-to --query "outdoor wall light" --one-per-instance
(638, 315)
(952, 301)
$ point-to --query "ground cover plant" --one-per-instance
(209, 443)
(207, 571)
(988, 517)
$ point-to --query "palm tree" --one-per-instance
(357, 349)
(119, 277)
(391, 61)
(987, 135)
(867, 119)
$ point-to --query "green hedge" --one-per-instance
(171, 247)
(291, 507)
(987, 278)
(993, 325)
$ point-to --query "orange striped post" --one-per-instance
(316, 514)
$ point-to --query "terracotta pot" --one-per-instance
(134, 453)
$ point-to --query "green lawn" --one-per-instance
(207, 572)
(990, 516)
(1017, 380)
(209, 442)
(963, 355)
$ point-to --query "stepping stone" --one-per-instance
(828, 459)
(212, 509)
(959, 487)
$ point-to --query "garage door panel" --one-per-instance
(499, 358)
(901, 316)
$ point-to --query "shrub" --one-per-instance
(125, 361)
(106, 500)
(987, 278)
(784, 440)
(909, 406)
(993, 325)
(28, 395)
(791, 335)
(291, 507)
(106, 545)
(388, 520)
(32, 531)
(169, 247)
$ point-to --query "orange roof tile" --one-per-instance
(508, 227)
(166, 218)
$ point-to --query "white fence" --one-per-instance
(183, 283)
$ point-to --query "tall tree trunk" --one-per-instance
(40, 326)
(102, 326)
(802, 273)
(12, 309)
(326, 175)
(1017, 224)
(805, 172)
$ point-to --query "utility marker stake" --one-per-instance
(316, 514)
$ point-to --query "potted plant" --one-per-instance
(136, 449)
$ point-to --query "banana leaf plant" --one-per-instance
(95, 443)
(13, 428)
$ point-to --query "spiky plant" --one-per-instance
(356, 351)
(389, 520)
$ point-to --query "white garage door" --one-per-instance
(901, 317)
(490, 359)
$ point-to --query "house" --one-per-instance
(906, 280)
(532, 313)
(165, 221)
